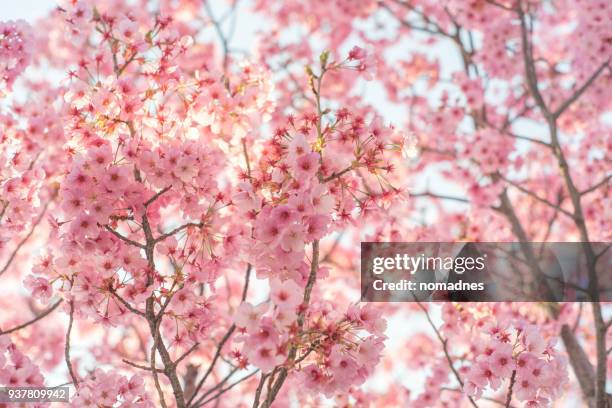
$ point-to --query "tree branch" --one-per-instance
(123, 238)
(156, 196)
(510, 386)
(445, 349)
(178, 229)
(580, 90)
(537, 197)
(439, 196)
(34, 320)
(596, 185)
(26, 238)
(67, 346)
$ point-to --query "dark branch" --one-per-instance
(34, 320)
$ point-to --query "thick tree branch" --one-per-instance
(67, 346)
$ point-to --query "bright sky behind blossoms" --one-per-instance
(184, 192)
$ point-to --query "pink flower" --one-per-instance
(248, 316)
(73, 202)
(127, 30)
(286, 295)
(316, 227)
(40, 287)
(265, 357)
(312, 377)
(482, 374)
(266, 229)
(116, 178)
(539, 402)
(365, 63)
(298, 147)
(369, 351)
(357, 53)
(100, 157)
(100, 210)
(501, 360)
(369, 316)
(84, 226)
(532, 339)
(283, 215)
(342, 366)
(245, 198)
(306, 166)
(293, 238)
(301, 204)
(525, 388)
(186, 169)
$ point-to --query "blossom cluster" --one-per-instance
(333, 352)
(16, 369)
(306, 186)
(111, 389)
(513, 350)
(16, 45)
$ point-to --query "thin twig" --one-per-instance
(596, 185)
(224, 390)
(123, 238)
(439, 196)
(580, 90)
(156, 196)
(178, 229)
(445, 349)
(34, 320)
(26, 238)
(142, 367)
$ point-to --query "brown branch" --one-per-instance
(537, 197)
(178, 229)
(126, 304)
(496, 401)
(221, 383)
(185, 354)
(222, 38)
(284, 371)
(596, 185)
(123, 238)
(224, 340)
(580, 90)
(154, 369)
(34, 320)
(142, 367)
(530, 73)
(156, 196)
(224, 390)
(444, 343)
(528, 139)
(262, 382)
(510, 386)
(67, 346)
(339, 174)
(26, 238)
(439, 196)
